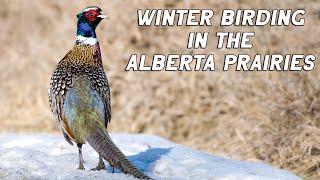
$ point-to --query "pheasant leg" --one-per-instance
(100, 165)
(81, 161)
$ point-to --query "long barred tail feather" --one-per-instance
(102, 143)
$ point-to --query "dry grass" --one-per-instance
(270, 116)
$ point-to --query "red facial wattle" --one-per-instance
(91, 15)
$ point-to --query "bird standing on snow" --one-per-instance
(80, 96)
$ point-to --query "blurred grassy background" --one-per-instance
(269, 116)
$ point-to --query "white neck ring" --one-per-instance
(86, 40)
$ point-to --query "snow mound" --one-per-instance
(43, 156)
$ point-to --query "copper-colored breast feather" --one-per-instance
(80, 61)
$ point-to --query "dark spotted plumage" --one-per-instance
(83, 61)
(79, 97)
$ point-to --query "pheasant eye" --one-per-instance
(91, 15)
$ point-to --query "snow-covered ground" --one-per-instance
(43, 156)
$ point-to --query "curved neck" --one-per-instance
(86, 30)
(86, 34)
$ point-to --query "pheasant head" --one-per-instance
(88, 19)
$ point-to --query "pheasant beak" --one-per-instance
(103, 16)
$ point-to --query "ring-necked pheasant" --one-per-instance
(80, 96)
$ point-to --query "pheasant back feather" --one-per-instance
(79, 96)
(83, 61)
